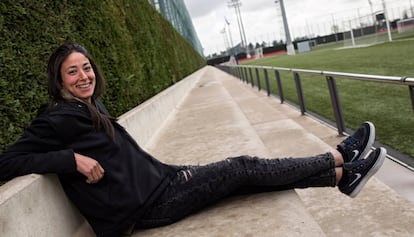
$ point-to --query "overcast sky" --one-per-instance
(263, 22)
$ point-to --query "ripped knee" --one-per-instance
(187, 174)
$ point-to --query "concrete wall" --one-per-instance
(144, 121)
(35, 205)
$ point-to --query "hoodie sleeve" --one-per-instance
(39, 151)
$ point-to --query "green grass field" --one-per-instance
(387, 105)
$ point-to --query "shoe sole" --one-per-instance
(377, 165)
(370, 142)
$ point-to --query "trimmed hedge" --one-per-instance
(139, 52)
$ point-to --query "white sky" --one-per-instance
(263, 22)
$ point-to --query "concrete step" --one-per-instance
(378, 211)
(208, 126)
(224, 117)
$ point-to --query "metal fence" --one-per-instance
(245, 73)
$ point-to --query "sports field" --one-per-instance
(387, 105)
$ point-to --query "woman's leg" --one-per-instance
(339, 162)
(195, 187)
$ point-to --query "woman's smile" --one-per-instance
(84, 86)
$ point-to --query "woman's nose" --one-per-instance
(83, 75)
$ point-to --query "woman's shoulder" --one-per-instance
(70, 108)
(67, 119)
(63, 108)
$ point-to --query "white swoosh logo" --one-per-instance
(356, 153)
(357, 178)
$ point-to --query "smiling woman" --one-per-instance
(119, 187)
(73, 75)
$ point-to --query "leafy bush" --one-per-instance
(139, 52)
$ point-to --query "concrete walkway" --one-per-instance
(222, 117)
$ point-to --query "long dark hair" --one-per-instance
(58, 94)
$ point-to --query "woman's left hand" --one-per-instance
(89, 167)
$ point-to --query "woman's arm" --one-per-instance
(38, 151)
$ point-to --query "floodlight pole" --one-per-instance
(236, 4)
(242, 26)
(386, 20)
(289, 46)
(226, 41)
(228, 27)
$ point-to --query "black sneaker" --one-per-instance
(358, 144)
(356, 174)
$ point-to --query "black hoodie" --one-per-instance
(133, 179)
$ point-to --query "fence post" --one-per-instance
(267, 81)
(251, 76)
(411, 88)
(300, 93)
(336, 105)
(259, 85)
(239, 71)
(279, 86)
(245, 75)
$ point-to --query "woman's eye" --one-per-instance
(87, 68)
(72, 72)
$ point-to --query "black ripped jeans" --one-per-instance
(195, 187)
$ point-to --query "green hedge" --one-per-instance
(139, 51)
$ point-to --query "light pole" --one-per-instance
(289, 46)
(226, 42)
(228, 27)
(236, 4)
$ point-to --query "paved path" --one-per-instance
(224, 117)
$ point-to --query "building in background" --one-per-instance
(176, 13)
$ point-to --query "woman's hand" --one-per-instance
(89, 167)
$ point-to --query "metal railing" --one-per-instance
(245, 73)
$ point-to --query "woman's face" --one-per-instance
(78, 76)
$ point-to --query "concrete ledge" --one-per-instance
(144, 121)
(35, 205)
(221, 117)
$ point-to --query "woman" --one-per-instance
(117, 186)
